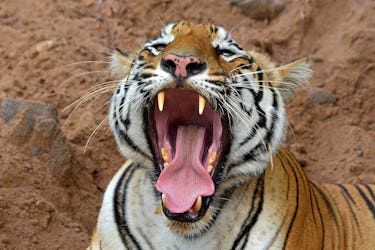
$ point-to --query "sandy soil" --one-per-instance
(51, 188)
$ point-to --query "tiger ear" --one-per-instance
(120, 63)
(293, 74)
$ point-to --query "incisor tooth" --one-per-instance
(212, 158)
(197, 205)
(202, 103)
(161, 98)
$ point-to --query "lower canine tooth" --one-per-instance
(197, 205)
(161, 98)
(209, 168)
(163, 199)
(165, 155)
(202, 104)
(212, 158)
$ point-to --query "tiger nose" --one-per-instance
(182, 67)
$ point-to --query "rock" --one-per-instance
(21, 126)
(41, 109)
(34, 126)
(10, 107)
(359, 153)
(259, 9)
(61, 152)
(45, 45)
(321, 96)
(43, 135)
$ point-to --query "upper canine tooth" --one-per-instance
(202, 103)
(161, 98)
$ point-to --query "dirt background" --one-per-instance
(51, 188)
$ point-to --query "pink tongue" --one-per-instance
(185, 178)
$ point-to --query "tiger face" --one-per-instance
(201, 115)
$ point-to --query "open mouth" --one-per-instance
(189, 138)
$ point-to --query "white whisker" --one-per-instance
(94, 132)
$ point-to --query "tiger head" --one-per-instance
(201, 115)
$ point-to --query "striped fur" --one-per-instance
(261, 200)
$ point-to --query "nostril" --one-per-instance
(195, 68)
(168, 66)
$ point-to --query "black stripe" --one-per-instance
(259, 96)
(250, 156)
(126, 123)
(244, 66)
(146, 49)
(120, 207)
(348, 203)
(297, 202)
(370, 191)
(250, 60)
(146, 75)
(347, 193)
(253, 215)
(213, 29)
(321, 218)
(275, 104)
(249, 137)
(236, 45)
(125, 138)
(365, 198)
(326, 202)
(282, 224)
(149, 145)
(121, 105)
(124, 54)
(148, 66)
(311, 203)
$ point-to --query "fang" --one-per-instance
(202, 104)
(197, 205)
(161, 98)
(165, 155)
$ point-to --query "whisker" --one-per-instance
(236, 26)
(87, 97)
(94, 132)
(107, 53)
(103, 84)
(241, 66)
(256, 72)
(243, 116)
(82, 74)
(251, 81)
(78, 63)
(92, 92)
(270, 154)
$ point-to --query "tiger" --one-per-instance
(201, 122)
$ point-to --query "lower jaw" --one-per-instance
(189, 217)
